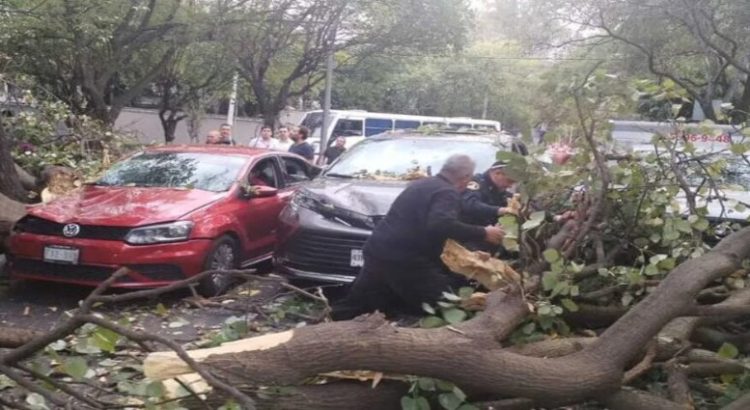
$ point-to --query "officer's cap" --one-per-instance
(499, 165)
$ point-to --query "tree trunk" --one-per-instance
(10, 182)
(708, 108)
(168, 124)
(10, 212)
(742, 109)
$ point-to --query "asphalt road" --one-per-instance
(41, 305)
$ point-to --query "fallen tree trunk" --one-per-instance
(470, 355)
(10, 212)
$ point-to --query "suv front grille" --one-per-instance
(39, 226)
(325, 253)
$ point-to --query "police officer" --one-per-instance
(485, 200)
(486, 196)
(402, 267)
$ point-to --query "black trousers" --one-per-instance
(394, 288)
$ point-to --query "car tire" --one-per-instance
(223, 255)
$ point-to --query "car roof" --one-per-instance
(491, 137)
(234, 150)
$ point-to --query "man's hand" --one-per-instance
(494, 235)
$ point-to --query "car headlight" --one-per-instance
(171, 232)
(307, 200)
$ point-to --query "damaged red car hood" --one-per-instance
(124, 206)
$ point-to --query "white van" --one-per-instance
(356, 125)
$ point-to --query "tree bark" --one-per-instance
(12, 337)
(10, 182)
(333, 396)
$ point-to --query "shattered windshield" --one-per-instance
(206, 172)
(728, 171)
(406, 159)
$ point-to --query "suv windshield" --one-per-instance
(206, 172)
(402, 158)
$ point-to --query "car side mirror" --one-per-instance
(258, 191)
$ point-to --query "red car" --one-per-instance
(166, 213)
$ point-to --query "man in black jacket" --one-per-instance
(402, 268)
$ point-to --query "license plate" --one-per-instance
(61, 254)
(357, 260)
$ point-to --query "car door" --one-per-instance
(260, 215)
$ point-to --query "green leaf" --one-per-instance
(545, 310)
(529, 328)
(427, 308)
(551, 255)
(454, 315)
(561, 288)
(465, 292)
(104, 339)
(459, 393)
(569, 304)
(230, 405)
(449, 401)
(534, 221)
(155, 389)
(651, 270)
(430, 322)
(667, 264)
(738, 149)
(423, 404)
(6, 382)
(549, 281)
(683, 226)
(161, 310)
(444, 386)
(36, 401)
(728, 351)
(511, 244)
(451, 297)
(468, 407)
(75, 367)
(409, 403)
(426, 384)
(701, 225)
(626, 299)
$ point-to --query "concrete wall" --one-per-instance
(146, 125)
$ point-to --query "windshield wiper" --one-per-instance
(335, 175)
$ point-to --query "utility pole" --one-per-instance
(232, 101)
(327, 100)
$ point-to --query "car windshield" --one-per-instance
(207, 172)
(407, 158)
(732, 172)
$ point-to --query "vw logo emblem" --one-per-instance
(71, 230)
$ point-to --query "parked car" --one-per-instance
(324, 228)
(166, 213)
(730, 201)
